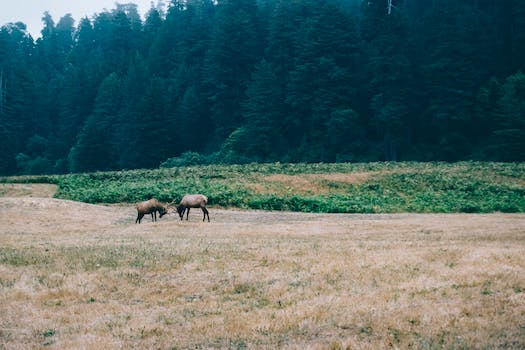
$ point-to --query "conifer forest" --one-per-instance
(241, 81)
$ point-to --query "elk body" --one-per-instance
(193, 201)
(150, 207)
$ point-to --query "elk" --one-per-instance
(151, 206)
(193, 201)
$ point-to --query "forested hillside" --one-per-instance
(233, 81)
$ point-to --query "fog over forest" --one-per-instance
(237, 81)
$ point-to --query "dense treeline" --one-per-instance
(232, 81)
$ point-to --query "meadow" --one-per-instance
(84, 276)
(375, 256)
(472, 187)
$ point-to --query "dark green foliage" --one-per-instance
(390, 83)
(232, 53)
(151, 132)
(262, 136)
(509, 133)
(185, 159)
(94, 150)
(242, 81)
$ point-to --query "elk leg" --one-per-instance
(205, 211)
(187, 213)
(139, 217)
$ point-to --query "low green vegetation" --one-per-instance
(331, 188)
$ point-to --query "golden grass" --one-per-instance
(78, 276)
(308, 183)
(27, 190)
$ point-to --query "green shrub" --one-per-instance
(473, 187)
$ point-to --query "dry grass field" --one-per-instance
(79, 276)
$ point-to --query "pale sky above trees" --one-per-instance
(30, 11)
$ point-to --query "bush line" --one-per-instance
(473, 187)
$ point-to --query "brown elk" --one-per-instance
(193, 201)
(151, 206)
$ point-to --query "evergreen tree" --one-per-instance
(329, 49)
(82, 76)
(347, 136)
(230, 59)
(122, 40)
(164, 52)
(64, 31)
(152, 133)
(189, 97)
(485, 115)
(94, 149)
(7, 128)
(152, 26)
(192, 121)
(389, 68)
(18, 119)
(517, 21)
(509, 134)
(261, 136)
(454, 43)
(126, 133)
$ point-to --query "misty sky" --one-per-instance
(30, 11)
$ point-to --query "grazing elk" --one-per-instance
(150, 207)
(193, 201)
